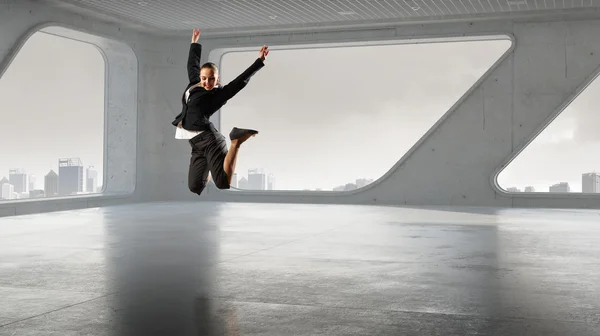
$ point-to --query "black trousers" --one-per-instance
(208, 154)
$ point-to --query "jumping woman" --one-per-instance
(203, 96)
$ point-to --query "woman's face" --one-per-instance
(208, 78)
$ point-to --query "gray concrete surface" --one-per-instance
(285, 269)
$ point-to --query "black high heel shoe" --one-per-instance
(237, 133)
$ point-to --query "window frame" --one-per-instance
(216, 56)
(119, 147)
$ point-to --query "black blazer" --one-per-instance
(202, 104)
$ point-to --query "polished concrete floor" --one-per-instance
(284, 269)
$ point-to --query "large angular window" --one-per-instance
(52, 107)
(339, 118)
(563, 158)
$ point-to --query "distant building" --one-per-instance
(18, 179)
(243, 183)
(51, 184)
(561, 187)
(234, 181)
(363, 182)
(590, 183)
(91, 180)
(257, 180)
(32, 182)
(349, 187)
(270, 182)
(70, 176)
(36, 193)
(513, 189)
(529, 189)
(7, 192)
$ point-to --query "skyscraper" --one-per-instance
(590, 183)
(18, 179)
(257, 180)
(91, 180)
(70, 176)
(51, 184)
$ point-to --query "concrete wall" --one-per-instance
(135, 103)
(454, 164)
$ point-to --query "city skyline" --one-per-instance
(69, 179)
(267, 184)
(590, 182)
(39, 183)
(237, 177)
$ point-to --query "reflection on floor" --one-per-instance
(285, 269)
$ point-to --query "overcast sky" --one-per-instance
(326, 116)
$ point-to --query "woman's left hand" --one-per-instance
(264, 51)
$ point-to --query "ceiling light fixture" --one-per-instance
(142, 3)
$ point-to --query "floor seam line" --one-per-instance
(57, 309)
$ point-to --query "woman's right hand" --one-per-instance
(264, 51)
(195, 35)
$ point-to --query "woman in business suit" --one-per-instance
(203, 96)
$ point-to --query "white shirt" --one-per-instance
(181, 133)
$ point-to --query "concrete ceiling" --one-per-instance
(235, 16)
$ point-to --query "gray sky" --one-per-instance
(52, 103)
(326, 116)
